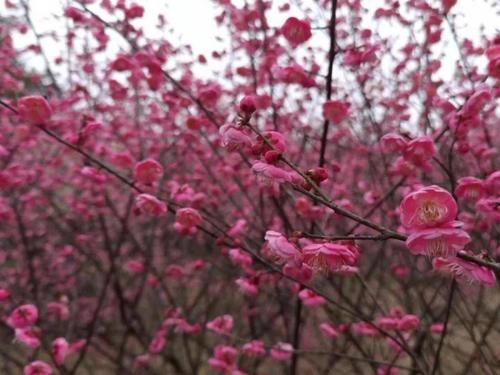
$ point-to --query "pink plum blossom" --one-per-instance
(427, 207)
(34, 109)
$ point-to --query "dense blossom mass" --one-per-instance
(319, 193)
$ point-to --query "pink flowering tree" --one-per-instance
(322, 197)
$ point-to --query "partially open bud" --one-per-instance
(247, 105)
(318, 175)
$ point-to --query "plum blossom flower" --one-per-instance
(465, 271)
(280, 247)
(248, 105)
(476, 102)
(239, 257)
(60, 349)
(335, 110)
(296, 31)
(254, 348)
(34, 109)
(224, 359)
(150, 205)
(470, 188)
(147, 171)
(221, 325)
(237, 228)
(492, 183)
(37, 368)
(427, 207)
(328, 256)
(419, 150)
(357, 56)
(29, 336)
(408, 322)
(438, 242)
(309, 298)
(186, 220)
(23, 316)
(232, 137)
(247, 287)
(4, 294)
(393, 142)
(490, 207)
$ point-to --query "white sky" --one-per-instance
(192, 22)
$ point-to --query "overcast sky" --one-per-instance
(193, 22)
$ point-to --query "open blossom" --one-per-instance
(34, 109)
(465, 271)
(470, 188)
(300, 272)
(419, 150)
(237, 228)
(309, 298)
(221, 325)
(329, 256)
(150, 205)
(29, 336)
(280, 247)
(408, 322)
(357, 56)
(489, 207)
(147, 171)
(293, 73)
(427, 207)
(37, 368)
(23, 316)
(438, 242)
(186, 220)
(60, 349)
(254, 348)
(272, 172)
(393, 142)
(239, 257)
(296, 31)
(232, 137)
(335, 110)
(492, 183)
(247, 287)
(476, 102)
(224, 359)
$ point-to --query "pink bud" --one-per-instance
(34, 109)
(247, 105)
